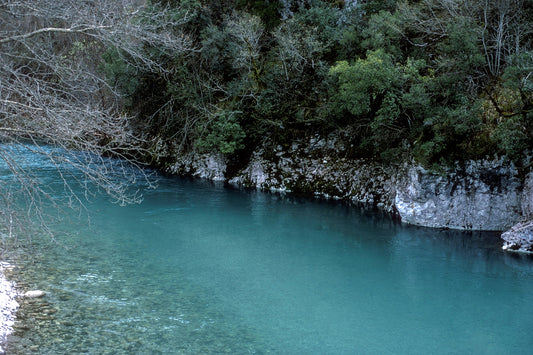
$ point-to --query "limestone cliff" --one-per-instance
(477, 195)
(481, 195)
(314, 168)
(520, 237)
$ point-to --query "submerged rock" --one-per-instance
(519, 238)
(34, 294)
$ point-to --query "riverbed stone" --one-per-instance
(34, 294)
(8, 305)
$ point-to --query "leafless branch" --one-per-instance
(53, 93)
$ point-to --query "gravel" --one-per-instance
(8, 305)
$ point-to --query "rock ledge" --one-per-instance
(519, 238)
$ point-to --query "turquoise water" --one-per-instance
(202, 269)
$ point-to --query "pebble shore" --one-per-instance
(8, 305)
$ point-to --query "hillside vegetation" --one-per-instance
(437, 80)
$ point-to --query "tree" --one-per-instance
(511, 104)
(53, 89)
(386, 100)
(505, 31)
(247, 30)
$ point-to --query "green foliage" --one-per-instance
(459, 56)
(350, 43)
(223, 134)
(363, 85)
(267, 10)
(518, 75)
(119, 74)
(514, 137)
(449, 134)
(322, 21)
(407, 79)
(384, 32)
(295, 80)
(375, 6)
(388, 100)
(219, 52)
(514, 132)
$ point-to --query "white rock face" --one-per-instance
(169, 157)
(485, 195)
(527, 197)
(313, 168)
(480, 195)
(206, 166)
(519, 238)
(262, 173)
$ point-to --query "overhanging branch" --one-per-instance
(9, 102)
(83, 29)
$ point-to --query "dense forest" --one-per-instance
(436, 80)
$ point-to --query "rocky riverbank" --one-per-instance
(8, 305)
(520, 237)
(476, 195)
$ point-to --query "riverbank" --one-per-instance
(8, 305)
(485, 195)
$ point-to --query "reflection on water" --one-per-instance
(198, 268)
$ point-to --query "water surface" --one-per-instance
(199, 268)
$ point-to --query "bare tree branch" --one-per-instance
(53, 92)
(49, 30)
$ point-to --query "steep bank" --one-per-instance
(313, 167)
(520, 237)
(477, 195)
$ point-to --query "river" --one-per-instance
(198, 268)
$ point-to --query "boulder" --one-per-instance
(519, 238)
(481, 195)
(34, 294)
